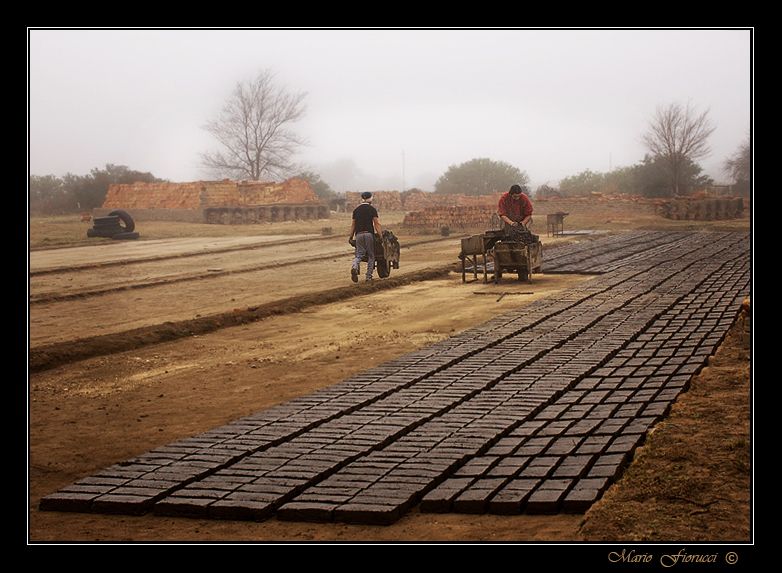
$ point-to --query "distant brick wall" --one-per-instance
(293, 191)
(432, 219)
(418, 200)
(154, 196)
(202, 194)
(382, 200)
(214, 193)
(596, 204)
(475, 212)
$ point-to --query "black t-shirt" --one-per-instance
(363, 215)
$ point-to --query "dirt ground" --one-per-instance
(691, 480)
(119, 310)
(184, 288)
(91, 413)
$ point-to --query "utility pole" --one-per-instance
(403, 170)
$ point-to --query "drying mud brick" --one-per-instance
(537, 410)
(702, 209)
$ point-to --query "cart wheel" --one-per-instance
(524, 275)
(383, 269)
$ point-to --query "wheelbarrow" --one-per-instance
(386, 253)
(514, 256)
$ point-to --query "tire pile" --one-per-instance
(118, 225)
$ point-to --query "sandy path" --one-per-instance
(124, 310)
(134, 250)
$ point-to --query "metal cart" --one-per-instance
(506, 255)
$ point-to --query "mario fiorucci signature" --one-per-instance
(671, 559)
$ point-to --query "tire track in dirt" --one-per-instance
(45, 298)
(56, 354)
(103, 264)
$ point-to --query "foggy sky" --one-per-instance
(552, 103)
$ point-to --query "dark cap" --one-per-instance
(366, 195)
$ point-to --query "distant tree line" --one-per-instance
(650, 177)
(480, 176)
(677, 135)
(739, 167)
(52, 195)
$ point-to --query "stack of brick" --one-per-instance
(475, 212)
(479, 200)
(201, 194)
(154, 196)
(293, 191)
(702, 209)
(219, 193)
(229, 202)
(459, 218)
(596, 205)
(382, 200)
(416, 200)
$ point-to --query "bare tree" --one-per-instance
(253, 132)
(738, 165)
(677, 134)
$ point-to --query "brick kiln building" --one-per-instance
(226, 202)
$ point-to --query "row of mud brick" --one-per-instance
(613, 252)
(537, 410)
(703, 209)
(265, 213)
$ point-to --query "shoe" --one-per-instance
(354, 275)
(369, 279)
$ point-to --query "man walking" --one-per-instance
(365, 224)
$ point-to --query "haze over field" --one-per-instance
(385, 109)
